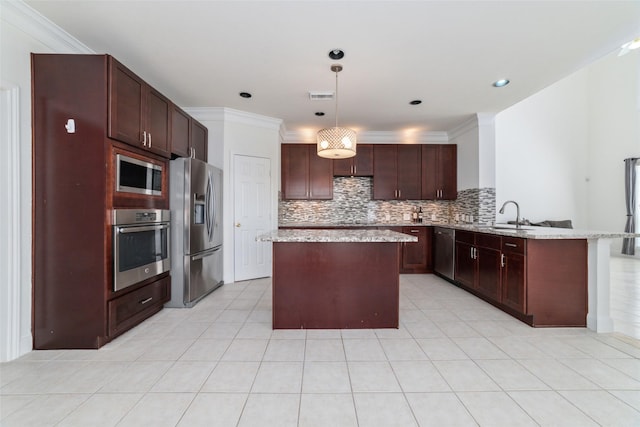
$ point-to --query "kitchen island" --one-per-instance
(335, 279)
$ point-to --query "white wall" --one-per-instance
(542, 151)
(614, 134)
(560, 152)
(467, 138)
(233, 132)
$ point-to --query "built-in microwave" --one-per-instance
(138, 176)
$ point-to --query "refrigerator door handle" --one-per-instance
(205, 254)
(208, 217)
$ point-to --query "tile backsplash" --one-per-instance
(352, 203)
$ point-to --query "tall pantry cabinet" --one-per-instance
(73, 199)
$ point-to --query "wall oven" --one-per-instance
(140, 245)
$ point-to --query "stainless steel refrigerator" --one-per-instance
(196, 230)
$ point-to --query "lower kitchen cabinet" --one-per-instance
(489, 281)
(542, 282)
(514, 273)
(131, 308)
(416, 257)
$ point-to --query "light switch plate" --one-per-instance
(406, 217)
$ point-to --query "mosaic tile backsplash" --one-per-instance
(352, 203)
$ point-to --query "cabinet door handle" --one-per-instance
(512, 245)
(144, 301)
(149, 139)
(502, 260)
(144, 138)
(399, 194)
(472, 253)
(415, 231)
(355, 169)
(193, 153)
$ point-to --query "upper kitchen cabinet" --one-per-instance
(439, 172)
(305, 175)
(198, 141)
(180, 132)
(396, 172)
(138, 114)
(188, 136)
(359, 165)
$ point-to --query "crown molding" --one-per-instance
(234, 116)
(30, 21)
(376, 137)
(468, 125)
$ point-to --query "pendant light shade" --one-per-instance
(336, 142)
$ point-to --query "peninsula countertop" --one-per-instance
(526, 232)
(335, 236)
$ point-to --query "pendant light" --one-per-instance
(336, 142)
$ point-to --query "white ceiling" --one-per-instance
(446, 53)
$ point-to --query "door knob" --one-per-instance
(238, 224)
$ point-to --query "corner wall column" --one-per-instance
(598, 317)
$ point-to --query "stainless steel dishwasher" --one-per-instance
(444, 251)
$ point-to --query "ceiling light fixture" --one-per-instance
(336, 142)
(501, 83)
(629, 46)
(336, 54)
(415, 102)
(245, 94)
(319, 113)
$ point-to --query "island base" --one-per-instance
(335, 285)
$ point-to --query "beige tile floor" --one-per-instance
(455, 361)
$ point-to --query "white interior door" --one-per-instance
(252, 216)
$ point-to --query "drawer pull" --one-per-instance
(415, 231)
(513, 245)
(144, 301)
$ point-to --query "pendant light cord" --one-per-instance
(337, 98)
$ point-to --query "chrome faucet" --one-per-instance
(517, 211)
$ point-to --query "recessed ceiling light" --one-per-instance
(319, 113)
(336, 54)
(501, 83)
(245, 94)
(415, 102)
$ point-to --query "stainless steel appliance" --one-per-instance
(138, 176)
(444, 251)
(196, 212)
(141, 241)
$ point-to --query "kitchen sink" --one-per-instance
(498, 227)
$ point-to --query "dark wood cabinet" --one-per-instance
(416, 257)
(396, 172)
(478, 263)
(514, 273)
(129, 309)
(542, 282)
(74, 195)
(305, 175)
(439, 172)
(488, 256)
(465, 264)
(189, 138)
(138, 114)
(199, 138)
(359, 165)
(180, 132)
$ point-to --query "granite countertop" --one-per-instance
(526, 232)
(328, 236)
